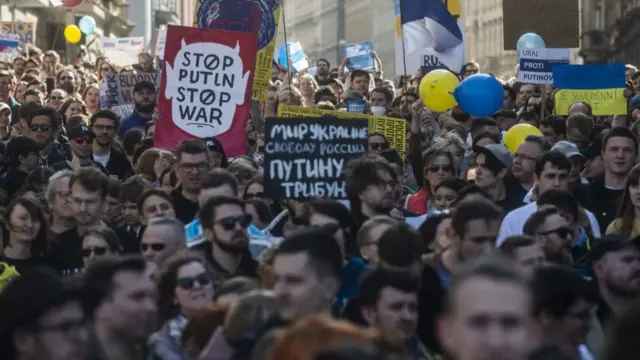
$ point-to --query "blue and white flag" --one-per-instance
(296, 53)
(432, 33)
(536, 64)
(359, 56)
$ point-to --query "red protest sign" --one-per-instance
(206, 87)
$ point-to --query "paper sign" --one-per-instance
(161, 41)
(26, 30)
(256, 17)
(296, 53)
(556, 21)
(206, 87)
(603, 101)
(123, 51)
(304, 157)
(589, 77)
(120, 86)
(536, 64)
(358, 56)
(393, 129)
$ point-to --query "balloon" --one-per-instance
(480, 95)
(87, 25)
(71, 3)
(73, 34)
(436, 90)
(530, 41)
(516, 135)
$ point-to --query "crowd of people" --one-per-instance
(527, 255)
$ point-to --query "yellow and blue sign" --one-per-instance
(599, 85)
(26, 30)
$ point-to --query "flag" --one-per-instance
(432, 34)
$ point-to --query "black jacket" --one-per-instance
(118, 164)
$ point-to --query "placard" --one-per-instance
(556, 21)
(26, 30)
(393, 129)
(123, 51)
(536, 64)
(359, 56)
(304, 157)
(603, 101)
(120, 86)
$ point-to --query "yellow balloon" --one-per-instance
(516, 135)
(73, 34)
(436, 90)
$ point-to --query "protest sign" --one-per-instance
(296, 54)
(242, 15)
(556, 21)
(161, 40)
(123, 51)
(358, 56)
(120, 86)
(205, 89)
(304, 157)
(25, 30)
(536, 64)
(599, 85)
(393, 129)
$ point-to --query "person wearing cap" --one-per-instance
(23, 155)
(80, 140)
(594, 164)
(144, 96)
(42, 318)
(570, 150)
(218, 156)
(493, 162)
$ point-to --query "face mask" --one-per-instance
(378, 110)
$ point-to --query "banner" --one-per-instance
(304, 157)
(393, 129)
(556, 21)
(241, 15)
(26, 30)
(536, 64)
(599, 85)
(120, 86)
(358, 56)
(205, 89)
(123, 51)
(432, 32)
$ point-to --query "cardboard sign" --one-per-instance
(603, 101)
(536, 64)
(206, 87)
(304, 157)
(599, 85)
(556, 21)
(120, 86)
(359, 56)
(393, 129)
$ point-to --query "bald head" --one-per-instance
(161, 238)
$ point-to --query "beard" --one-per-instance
(68, 87)
(239, 244)
(145, 108)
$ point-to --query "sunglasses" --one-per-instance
(188, 282)
(259, 195)
(82, 139)
(41, 127)
(378, 146)
(154, 247)
(436, 168)
(98, 250)
(229, 222)
(563, 233)
(56, 98)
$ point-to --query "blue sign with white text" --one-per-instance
(359, 56)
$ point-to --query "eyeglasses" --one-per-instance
(188, 282)
(104, 127)
(82, 139)
(189, 167)
(98, 250)
(563, 233)
(229, 222)
(41, 127)
(436, 168)
(378, 146)
(56, 98)
(259, 195)
(153, 246)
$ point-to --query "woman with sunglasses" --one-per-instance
(439, 164)
(24, 234)
(185, 284)
(99, 243)
(376, 143)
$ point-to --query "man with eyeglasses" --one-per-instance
(524, 165)
(42, 318)
(80, 140)
(43, 125)
(104, 125)
(67, 80)
(224, 224)
(192, 162)
(144, 96)
(22, 154)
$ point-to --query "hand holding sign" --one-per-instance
(207, 84)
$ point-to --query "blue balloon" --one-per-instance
(480, 95)
(530, 41)
(87, 25)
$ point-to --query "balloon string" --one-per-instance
(404, 55)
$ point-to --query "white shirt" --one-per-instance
(102, 159)
(514, 222)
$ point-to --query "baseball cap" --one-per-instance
(144, 85)
(78, 131)
(594, 149)
(213, 144)
(499, 152)
(567, 149)
(610, 243)
(22, 145)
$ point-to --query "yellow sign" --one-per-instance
(264, 58)
(393, 129)
(603, 101)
